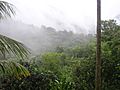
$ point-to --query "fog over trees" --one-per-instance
(43, 38)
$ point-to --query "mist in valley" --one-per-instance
(44, 25)
(43, 38)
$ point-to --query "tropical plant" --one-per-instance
(6, 10)
(10, 46)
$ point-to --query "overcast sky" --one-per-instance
(51, 12)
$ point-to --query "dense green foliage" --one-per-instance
(71, 66)
(74, 68)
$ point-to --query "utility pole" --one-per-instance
(98, 84)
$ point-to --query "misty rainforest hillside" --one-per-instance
(41, 39)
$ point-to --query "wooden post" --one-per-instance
(98, 50)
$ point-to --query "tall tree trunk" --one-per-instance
(98, 50)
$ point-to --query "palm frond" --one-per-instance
(8, 45)
(6, 9)
(13, 69)
(9, 67)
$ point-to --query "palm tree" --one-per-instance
(8, 45)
